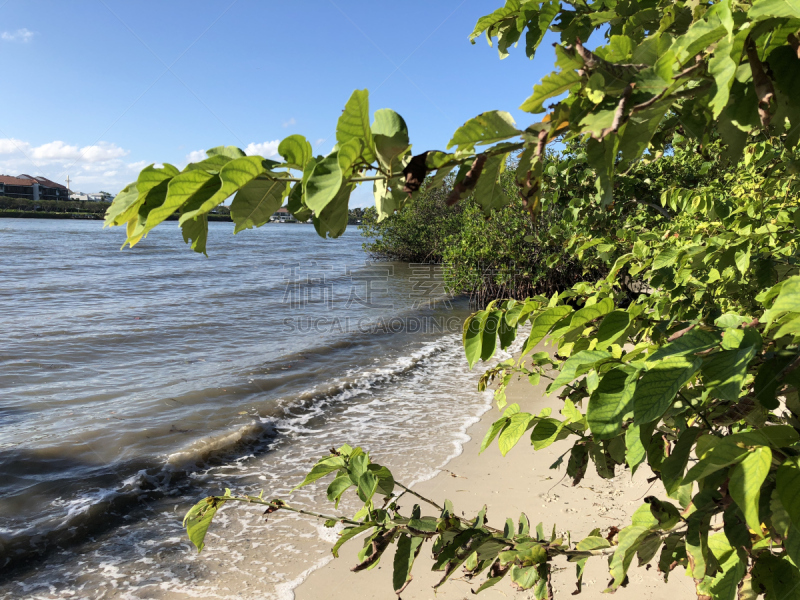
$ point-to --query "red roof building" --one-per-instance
(32, 188)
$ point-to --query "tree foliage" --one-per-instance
(683, 357)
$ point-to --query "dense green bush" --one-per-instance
(56, 206)
(513, 254)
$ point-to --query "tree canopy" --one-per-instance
(684, 357)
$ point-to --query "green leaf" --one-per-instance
(231, 152)
(545, 433)
(489, 192)
(600, 155)
(153, 184)
(327, 465)
(296, 151)
(552, 85)
(186, 187)
(354, 124)
(629, 540)
(721, 454)
(691, 342)
(611, 328)
(489, 334)
(367, 484)
(577, 365)
(198, 520)
(592, 542)
(212, 164)
(611, 401)
(592, 312)
(256, 202)
(723, 69)
(511, 434)
(390, 134)
(666, 258)
(536, 30)
(486, 128)
(407, 550)
(348, 155)
(234, 175)
(122, 205)
(788, 486)
(745, 484)
(332, 221)
(724, 372)
(764, 9)
(743, 260)
(702, 33)
(725, 584)
(674, 466)
(789, 297)
(323, 183)
(524, 577)
(657, 388)
(195, 233)
(496, 428)
(295, 203)
(542, 325)
(490, 582)
(387, 200)
(338, 487)
(638, 132)
(635, 452)
(385, 479)
(348, 534)
(487, 21)
(472, 336)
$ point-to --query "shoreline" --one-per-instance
(30, 214)
(519, 482)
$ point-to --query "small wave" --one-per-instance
(88, 512)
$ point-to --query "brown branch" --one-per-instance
(619, 115)
(698, 62)
(379, 544)
(680, 333)
(540, 146)
(469, 181)
(794, 43)
(762, 83)
(592, 61)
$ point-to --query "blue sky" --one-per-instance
(97, 89)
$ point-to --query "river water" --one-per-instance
(134, 383)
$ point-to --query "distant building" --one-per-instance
(282, 215)
(32, 188)
(98, 197)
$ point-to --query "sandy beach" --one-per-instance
(519, 482)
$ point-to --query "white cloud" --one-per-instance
(289, 123)
(10, 145)
(20, 35)
(97, 153)
(195, 156)
(60, 151)
(319, 141)
(263, 149)
(90, 168)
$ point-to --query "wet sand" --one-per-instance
(520, 482)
